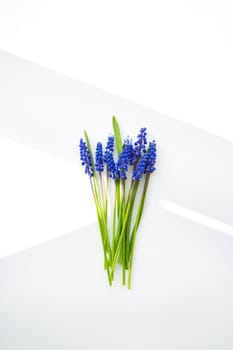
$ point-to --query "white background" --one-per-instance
(173, 56)
(55, 295)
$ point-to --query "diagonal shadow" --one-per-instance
(47, 110)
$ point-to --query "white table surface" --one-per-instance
(53, 290)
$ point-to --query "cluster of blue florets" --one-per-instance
(141, 157)
(140, 144)
(109, 159)
(146, 164)
(124, 160)
(86, 158)
(99, 161)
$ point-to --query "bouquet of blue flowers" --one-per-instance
(126, 166)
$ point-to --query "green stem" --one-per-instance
(127, 234)
(114, 226)
(118, 196)
(102, 233)
(114, 222)
(101, 187)
(102, 192)
(123, 250)
(137, 222)
(104, 215)
(119, 243)
(123, 261)
(107, 265)
(119, 227)
(106, 201)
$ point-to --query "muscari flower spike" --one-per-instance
(110, 144)
(85, 158)
(132, 153)
(146, 164)
(109, 148)
(140, 144)
(109, 159)
(126, 158)
(99, 162)
(111, 166)
(151, 158)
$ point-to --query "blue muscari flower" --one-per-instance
(99, 162)
(126, 158)
(147, 162)
(132, 154)
(85, 158)
(109, 147)
(110, 143)
(108, 158)
(151, 158)
(111, 166)
(139, 171)
(140, 144)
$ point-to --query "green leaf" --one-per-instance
(89, 147)
(117, 135)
